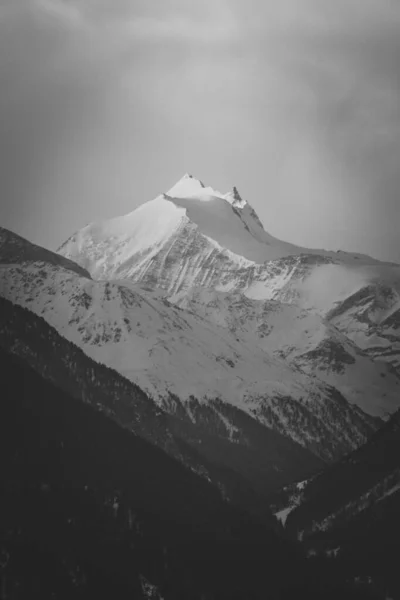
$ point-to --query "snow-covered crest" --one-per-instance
(225, 220)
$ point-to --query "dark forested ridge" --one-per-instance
(16, 249)
(354, 475)
(354, 506)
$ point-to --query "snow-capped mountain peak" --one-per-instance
(187, 186)
(191, 187)
(194, 235)
(189, 176)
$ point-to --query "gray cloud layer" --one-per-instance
(104, 103)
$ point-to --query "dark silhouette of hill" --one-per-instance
(354, 505)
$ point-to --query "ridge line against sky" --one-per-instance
(104, 104)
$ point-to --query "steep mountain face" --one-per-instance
(183, 361)
(351, 509)
(194, 237)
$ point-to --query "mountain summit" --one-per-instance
(195, 214)
(190, 220)
(191, 187)
(186, 186)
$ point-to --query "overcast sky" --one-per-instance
(106, 103)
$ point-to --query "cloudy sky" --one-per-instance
(106, 103)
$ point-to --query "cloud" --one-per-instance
(179, 28)
(298, 100)
(338, 92)
(61, 10)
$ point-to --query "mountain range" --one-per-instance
(191, 239)
(260, 366)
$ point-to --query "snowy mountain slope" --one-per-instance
(363, 303)
(259, 461)
(169, 352)
(194, 238)
(305, 339)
